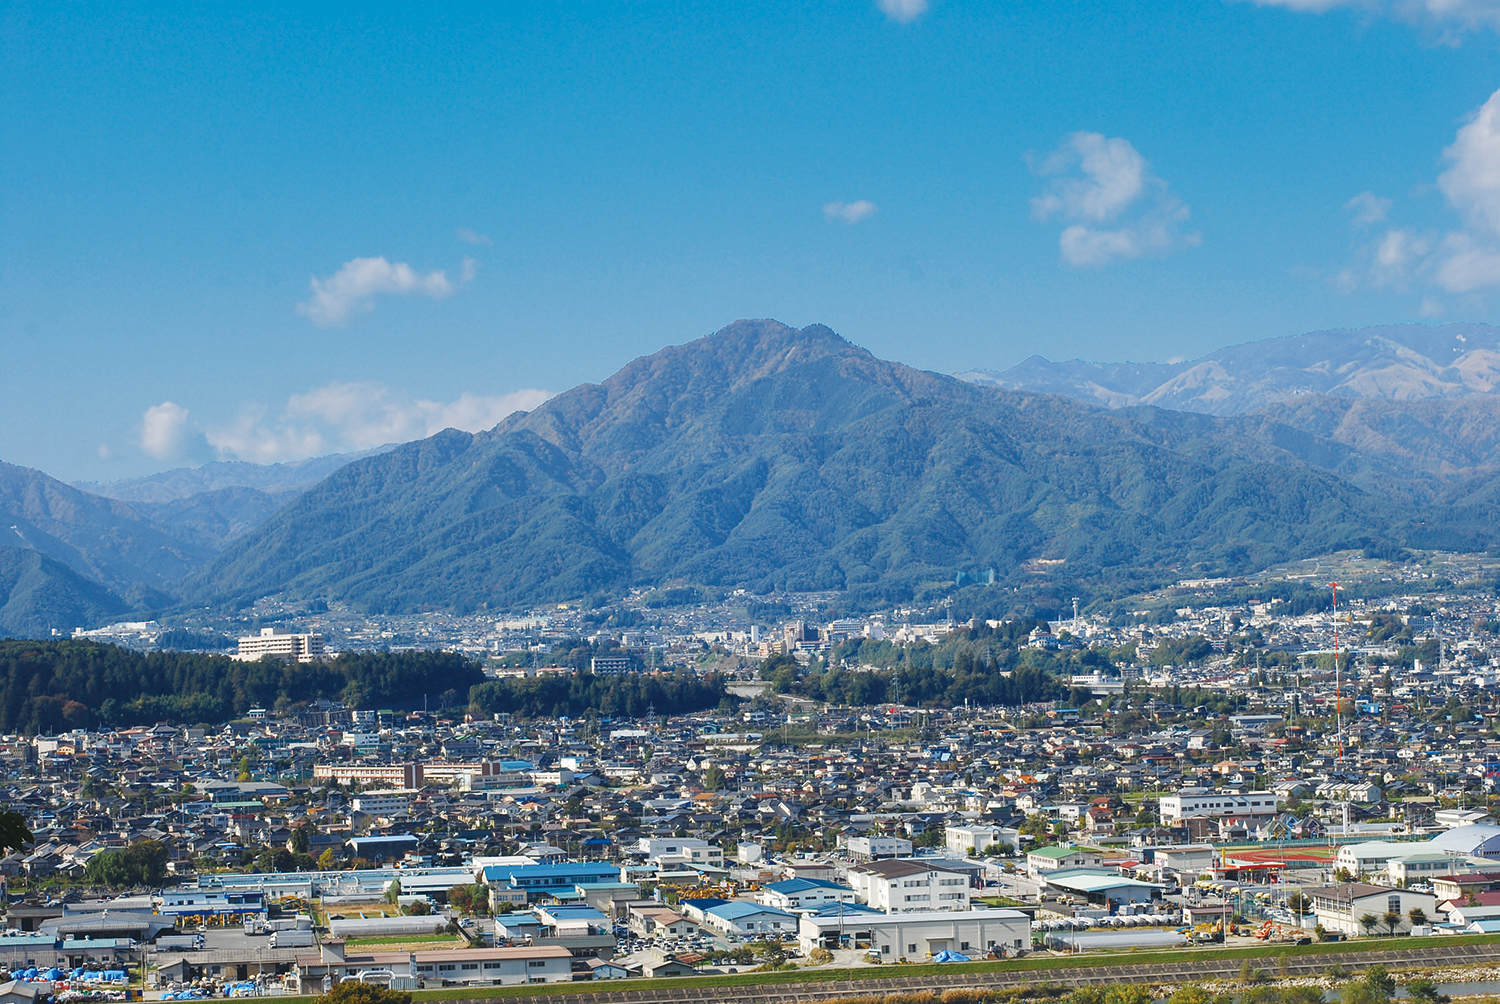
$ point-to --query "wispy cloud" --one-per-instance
(902, 11)
(334, 418)
(473, 237)
(1115, 208)
(1366, 208)
(353, 288)
(1449, 18)
(849, 212)
(1464, 259)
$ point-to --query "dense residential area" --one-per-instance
(1285, 770)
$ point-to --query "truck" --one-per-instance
(293, 939)
(179, 942)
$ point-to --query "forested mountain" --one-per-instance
(75, 558)
(39, 596)
(103, 540)
(1396, 362)
(762, 456)
(765, 457)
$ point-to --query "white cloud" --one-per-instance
(1466, 259)
(1472, 184)
(164, 430)
(354, 287)
(1115, 208)
(903, 11)
(1448, 17)
(342, 417)
(473, 237)
(849, 212)
(1367, 208)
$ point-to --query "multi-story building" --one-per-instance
(976, 839)
(908, 885)
(877, 848)
(281, 645)
(383, 803)
(1198, 803)
(680, 852)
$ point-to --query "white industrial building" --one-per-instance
(917, 935)
(469, 966)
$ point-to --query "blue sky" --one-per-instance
(261, 233)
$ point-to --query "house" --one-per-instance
(972, 840)
(668, 966)
(600, 969)
(804, 894)
(1051, 859)
(653, 920)
(23, 992)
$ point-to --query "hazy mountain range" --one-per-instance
(766, 457)
(1397, 362)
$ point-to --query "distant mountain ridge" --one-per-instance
(1398, 362)
(767, 457)
(184, 482)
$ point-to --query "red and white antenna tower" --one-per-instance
(1338, 686)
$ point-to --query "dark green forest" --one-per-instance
(981, 665)
(628, 695)
(47, 686)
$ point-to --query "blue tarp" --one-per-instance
(950, 957)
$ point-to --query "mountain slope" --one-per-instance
(101, 539)
(39, 596)
(762, 456)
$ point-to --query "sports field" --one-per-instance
(1296, 857)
